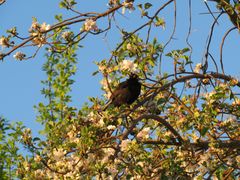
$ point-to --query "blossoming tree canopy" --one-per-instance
(184, 122)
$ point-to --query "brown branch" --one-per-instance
(233, 16)
(209, 40)
(221, 48)
(160, 119)
(141, 27)
(179, 80)
(234, 144)
(171, 36)
(59, 25)
(2, 2)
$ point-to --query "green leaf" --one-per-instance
(204, 131)
(147, 5)
(95, 73)
(185, 50)
(36, 139)
(170, 54)
(62, 4)
(231, 95)
(140, 6)
(160, 22)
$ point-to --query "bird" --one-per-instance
(125, 93)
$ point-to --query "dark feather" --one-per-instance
(126, 92)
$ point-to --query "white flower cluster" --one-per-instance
(58, 154)
(104, 84)
(127, 4)
(128, 65)
(107, 153)
(197, 68)
(90, 24)
(35, 26)
(67, 35)
(19, 56)
(27, 135)
(112, 2)
(125, 144)
(96, 119)
(144, 134)
(38, 32)
(236, 102)
(4, 42)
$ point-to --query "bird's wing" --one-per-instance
(121, 96)
(122, 85)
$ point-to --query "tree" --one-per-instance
(184, 125)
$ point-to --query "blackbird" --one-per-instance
(125, 93)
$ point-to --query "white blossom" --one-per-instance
(197, 68)
(90, 24)
(19, 56)
(236, 102)
(58, 154)
(130, 47)
(104, 83)
(144, 134)
(45, 27)
(67, 35)
(128, 5)
(72, 136)
(34, 26)
(102, 68)
(37, 158)
(124, 144)
(238, 159)
(113, 2)
(39, 174)
(111, 127)
(101, 122)
(91, 116)
(4, 42)
(127, 65)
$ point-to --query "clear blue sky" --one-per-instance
(20, 81)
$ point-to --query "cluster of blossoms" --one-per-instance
(19, 55)
(144, 134)
(128, 65)
(27, 136)
(125, 144)
(108, 152)
(127, 4)
(89, 25)
(104, 83)
(130, 47)
(96, 119)
(38, 32)
(113, 2)
(236, 102)
(72, 136)
(198, 68)
(67, 35)
(233, 82)
(4, 42)
(58, 154)
(104, 68)
(60, 163)
(39, 27)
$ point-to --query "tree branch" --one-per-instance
(231, 144)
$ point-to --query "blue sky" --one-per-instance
(20, 81)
